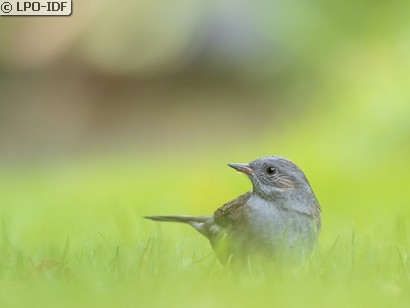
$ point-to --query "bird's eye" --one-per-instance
(270, 170)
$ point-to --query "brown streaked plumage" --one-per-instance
(231, 212)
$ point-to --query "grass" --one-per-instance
(72, 236)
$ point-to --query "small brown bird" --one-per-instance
(279, 218)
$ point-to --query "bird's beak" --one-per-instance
(244, 168)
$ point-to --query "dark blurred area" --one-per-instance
(145, 75)
(132, 74)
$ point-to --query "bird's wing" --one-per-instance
(231, 212)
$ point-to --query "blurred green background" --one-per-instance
(134, 108)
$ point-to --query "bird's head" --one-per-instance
(275, 177)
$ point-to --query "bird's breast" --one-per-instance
(273, 225)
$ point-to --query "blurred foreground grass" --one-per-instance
(72, 236)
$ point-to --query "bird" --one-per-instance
(279, 219)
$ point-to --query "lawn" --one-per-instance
(72, 235)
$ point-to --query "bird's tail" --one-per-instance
(197, 222)
(180, 218)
